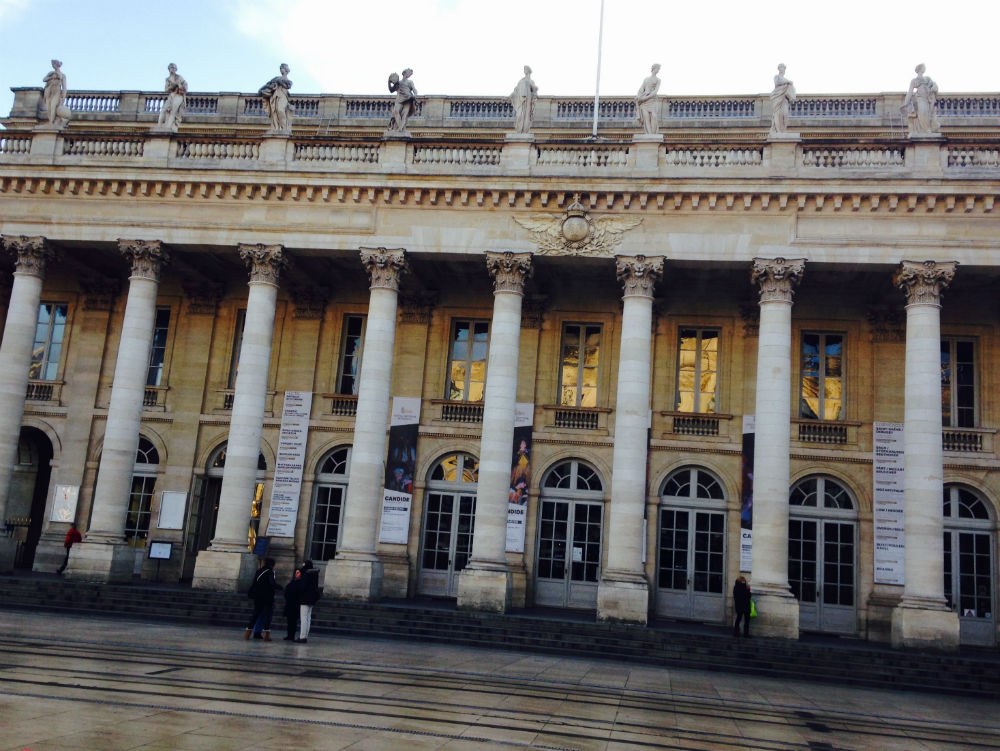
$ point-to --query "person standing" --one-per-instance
(262, 593)
(293, 598)
(72, 537)
(741, 604)
(308, 598)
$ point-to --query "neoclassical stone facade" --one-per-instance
(601, 375)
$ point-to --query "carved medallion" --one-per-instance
(575, 233)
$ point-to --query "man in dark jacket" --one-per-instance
(741, 604)
(262, 593)
(308, 598)
(293, 598)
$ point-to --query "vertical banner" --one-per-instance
(746, 495)
(288, 467)
(400, 465)
(520, 476)
(887, 502)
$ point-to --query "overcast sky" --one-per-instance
(477, 47)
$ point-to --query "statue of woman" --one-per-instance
(54, 95)
(276, 102)
(176, 88)
(781, 101)
(523, 100)
(920, 104)
(406, 100)
(647, 105)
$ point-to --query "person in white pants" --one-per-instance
(308, 598)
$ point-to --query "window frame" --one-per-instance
(46, 361)
(161, 366)
(453, 329)
(234, 355)
(584, 328)
(700, 331)
(821, 376)
(343, 355)
(953, 420)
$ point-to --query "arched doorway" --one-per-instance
(822, 555)
(692, 547)
(570, 529)
(326, 519)
(448, 525)
(205, 510)
(969, 565)
(29, 485)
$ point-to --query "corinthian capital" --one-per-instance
(146, 257)
(923, 281)
(384, 266)
(32, 254)
(509, 270)
(776, 278)
(638, 274)
(264, 261)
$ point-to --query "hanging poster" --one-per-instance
(400, 466)
(520, 477)
(887, 502)
(64, 500)
(288, 467)
(746, 495)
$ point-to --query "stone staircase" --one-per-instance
(971, 672)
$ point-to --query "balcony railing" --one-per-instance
(469, 413)
(43, 391)
(826, 432)
(343, 405)
(967, 440)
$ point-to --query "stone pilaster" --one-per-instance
(922, 618)
(31, 255)
(485, 584)
(228, 562)
(103, 555)
(357, 571)
(623, 593)
(776, 279)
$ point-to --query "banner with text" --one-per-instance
(400, 465)
(887, 502)
(746, 495)
(288, 467)
(520, 476)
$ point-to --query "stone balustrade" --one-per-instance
(456, 155)
(854, 158)
(102, 146)
(583, 156)
(189, 148)
(714, 157)
(334, 153)
(15, 145)
(985, 157)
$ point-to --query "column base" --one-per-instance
(356, 579)
(484, 588)
(777, 613)
(101, 562)
(623, 598)
(925, 624)
(224, 571)
(8, 549)
(395, 575)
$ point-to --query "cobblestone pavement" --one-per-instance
(91, 683)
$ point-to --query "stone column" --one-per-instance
(922, 618)
(623, 593)
(103, 555)
(778, 609)
(485, 584)
(15, 360)
(357, 571)
(227, 563)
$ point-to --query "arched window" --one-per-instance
(140, 499)
(573, 475)
(969, 545)
(328, 504)
(449, 523)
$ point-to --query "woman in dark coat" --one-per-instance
(293, 598)
(741, 604)
(308, 598)
(262, 593)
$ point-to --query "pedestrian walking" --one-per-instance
(308, 598)
(72, 537)
(262, 593)
(293, 598)
(741, 605)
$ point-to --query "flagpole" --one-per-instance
(597, 86)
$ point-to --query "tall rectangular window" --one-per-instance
(822, 393)
(234, 360)
(137, 515)
(352, 346)
(581, 353)
(467, 363)
(154, 376)
(697, 370)
(50, 330)
(958, 383)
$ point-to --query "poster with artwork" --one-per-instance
(64, 499)
(746, 495)
(520, 477)
(400, 466)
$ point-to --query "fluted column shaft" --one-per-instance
(32, 253)
(249, 398)
(364, 494)
(509, 271)
(776, 279)
(923, 471)
(121, 434)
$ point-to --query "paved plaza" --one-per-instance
(91, 683)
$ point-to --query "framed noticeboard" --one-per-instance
(172, 505)
(160, 551)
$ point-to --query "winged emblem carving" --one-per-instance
(575, 233)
